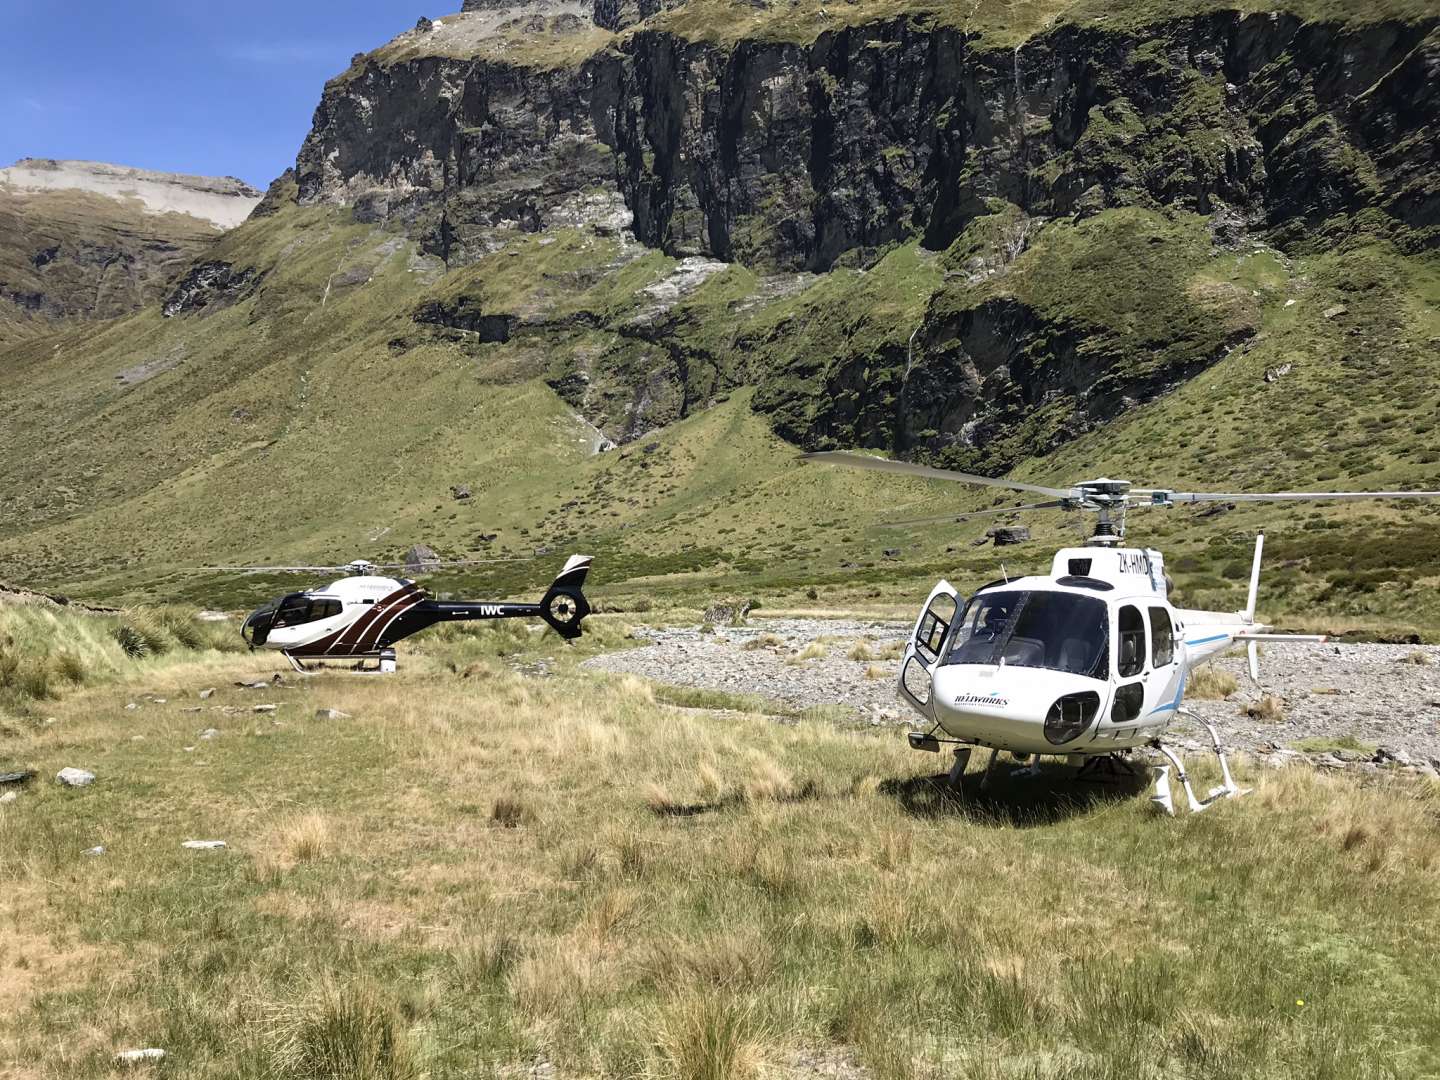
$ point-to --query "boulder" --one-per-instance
(203, 845)
(460, 492)
(421, 557)
(331, 714)
(72, 777)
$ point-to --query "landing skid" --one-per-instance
(384, 663)
(1164, 800)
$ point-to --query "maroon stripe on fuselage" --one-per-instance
(334, 644)
(371, 637)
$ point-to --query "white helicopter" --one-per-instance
(1088, 661)
(361, 616)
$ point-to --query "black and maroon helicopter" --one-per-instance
(359, 617)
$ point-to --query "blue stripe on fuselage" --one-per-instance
(1179, 693)
(1207, 640)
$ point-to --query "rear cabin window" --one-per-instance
(1131, 658)
(1162, 637)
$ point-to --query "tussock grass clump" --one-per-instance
(343, 1032)
(1418, 658)
(861, 652)
(558, 978)
(875, 671)
(512, 811)
(1209, 683)
(1269, 708)
(710, 1036)
(814, 651)
(764, 641)
(308, 837)
(46, 651)
(737, 958)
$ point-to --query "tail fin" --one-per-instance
(564, 606)
(1252, 650)
(1254, 577)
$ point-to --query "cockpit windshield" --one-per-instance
(1053, 630)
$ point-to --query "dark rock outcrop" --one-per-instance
(793, 155)
(210, 285)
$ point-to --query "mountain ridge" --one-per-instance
(91, 241)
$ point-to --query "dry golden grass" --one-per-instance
(861, 652)
(1418, 658)
(811, 889)
(764, 641)
(1209, 683)
(816, 650)
(875, 672)
(1269, 708)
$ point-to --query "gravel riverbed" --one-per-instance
(1375, 695)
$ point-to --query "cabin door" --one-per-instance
(925, 649)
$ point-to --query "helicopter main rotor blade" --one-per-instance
(431, 564)
(1294, 496)
(905, 468)
(256, 569)
(1058, 504)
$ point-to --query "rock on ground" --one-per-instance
(72, 777)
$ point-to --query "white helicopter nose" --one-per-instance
(1014, 708)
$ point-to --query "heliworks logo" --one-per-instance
(992, 700)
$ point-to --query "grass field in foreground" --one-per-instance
(477, 871)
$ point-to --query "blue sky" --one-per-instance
(212, 87)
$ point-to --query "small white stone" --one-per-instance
(72, 777)
(9, 796)
(264, 708)
(331, 714)
(209, 733)
(203, 845)
(134, 1057)
(132, 705)
(98, 849)
(206, 693)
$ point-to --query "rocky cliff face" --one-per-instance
(823, 150)
(90, 240)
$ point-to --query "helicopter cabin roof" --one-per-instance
(360, 588)
(1099, 571)
(1126, 570)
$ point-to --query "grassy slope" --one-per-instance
(291, 431)
(412, 886)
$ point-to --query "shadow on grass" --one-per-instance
(1055, 795)
(806, 791)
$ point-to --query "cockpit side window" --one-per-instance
(1131, 659)
(1162, 633)
(297, 609)
(324, 608)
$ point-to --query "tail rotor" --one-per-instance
(564, 606)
